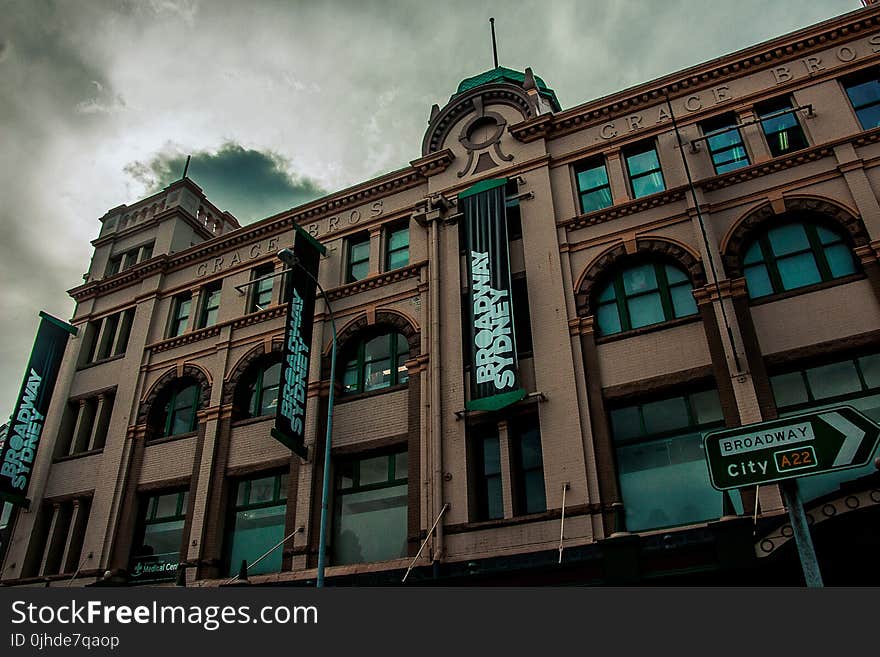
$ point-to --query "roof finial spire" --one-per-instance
(494, 45)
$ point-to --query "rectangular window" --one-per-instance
(782, 130)
(114, 265)
(370, 509)
(486, 451)
(210, 297)
(258, 523)
(107, 337)
(156, 551)
(863, 90)
(661, 465)
(854, 382)
(593, 186)
(128, 259)
(725, 143)
(180, 308)
(643, 168)
(396, 248)
(358, 258)
(261, 287)
(528, 474)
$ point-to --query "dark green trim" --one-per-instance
(59, 323)
(482, 186)
(496, 402)
(320, 248)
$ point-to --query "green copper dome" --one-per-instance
(502, 74)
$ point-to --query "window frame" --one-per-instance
(360, 359)
(589, 165)
(390, 231)
(812, 401)
(480, 479)
(279, 498)
(209, 293)
(350, 244)
(869, 74)
(261, 275)
(640, 148)
(621, 298)
(168, 419)
(816, 248)
(727, 123)
(257, 376)
(784, 105)
(516, 433)
(178, 324)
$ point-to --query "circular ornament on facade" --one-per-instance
(852, 502)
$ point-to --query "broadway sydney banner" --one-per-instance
(290, 414)
(19, 450)
(489, 311)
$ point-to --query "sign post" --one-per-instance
(782, 450)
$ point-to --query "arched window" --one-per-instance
(793, 255)
(178, 411)
(375, 363)
(642, 295)
(261, 389)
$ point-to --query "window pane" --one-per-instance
(832, 380)
(798, 271)
(645, 310)
(864, 93)
(530, 449)
(370, 525)
(534, 498)
(162, 538)
(185, 398)
(706, 407)
(870, 366)
(758, 281)
(166, 506)
(255, 532)
(494, 498)
(346, 474)
(675, 275)
(788, 239)
(609, 319)
(724, 140)
(626, 423)
(241, 497)
(779, 123)
(272, 376)
(377, 374)
(789, 389)
(398, 239)
(607, 294)
(350, 376)
(373, 471)
(639, 279)
(262, 490)
(869, 117)
(360, 271)
(683, 302)
(401, 465)
(754, 254)
(592, 178)
(649, 184)
(840, 260)
(397, 259)
(491, 456)
(826, 236)
(360, 251)
(665, 415)
(642, 162)
(596, 200)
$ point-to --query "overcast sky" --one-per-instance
(279, 102)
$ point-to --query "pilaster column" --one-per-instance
(71, 540)
(753, 136)
(506, 469)
(193, 311)
(50, 539)
(616, 176)
(99, 426)
(375, 250)
(81, 428)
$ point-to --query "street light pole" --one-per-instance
(290, 259)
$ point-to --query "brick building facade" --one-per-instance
(648, 310)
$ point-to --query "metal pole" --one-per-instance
(268, 552)
(802, 538)
(288, 256)
(562, 524)
(424, 543)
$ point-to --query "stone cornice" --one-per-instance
(758, 57)
(624, 209)
(726, 289)
(212, 331)
(375, 281)
(765, 168)
(155, 264)
(433, 163)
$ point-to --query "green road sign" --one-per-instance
(795, 446)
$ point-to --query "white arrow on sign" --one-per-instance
(852, 437)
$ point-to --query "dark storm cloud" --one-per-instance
(251, 184)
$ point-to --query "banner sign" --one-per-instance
(489, 312)
(19, 450)
(155, 567)
(290, 413)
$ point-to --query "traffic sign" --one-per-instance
(795, 446)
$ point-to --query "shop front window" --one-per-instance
(258, 522)
(157, 549)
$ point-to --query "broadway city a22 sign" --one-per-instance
(794, 446)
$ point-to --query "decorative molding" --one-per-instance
(726, 289)
(765, 168)
(624, 209)
(380, 280)
(186, 338)
(433, 163)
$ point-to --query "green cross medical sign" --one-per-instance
(795, 446)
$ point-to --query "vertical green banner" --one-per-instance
(19, 451)
(494, 364)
